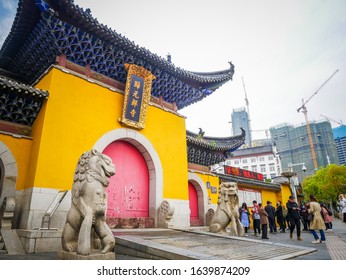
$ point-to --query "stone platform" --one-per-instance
(200, 245)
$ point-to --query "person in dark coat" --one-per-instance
(294, 216)
(271, 217)
(263, 220)
(304, 212)
(280, 217)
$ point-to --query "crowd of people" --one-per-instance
(312, 216)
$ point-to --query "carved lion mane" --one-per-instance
(89, 205)
(227, 211)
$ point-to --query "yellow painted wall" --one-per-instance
(286, 193)
(268, 195)
(78, 113)
(214, 181)
(20, 148)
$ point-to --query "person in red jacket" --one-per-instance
(328, 217)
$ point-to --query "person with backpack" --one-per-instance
(328, 217)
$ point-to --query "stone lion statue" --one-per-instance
(227, 211)
(86, 219)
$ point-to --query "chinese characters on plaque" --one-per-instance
(137, 96)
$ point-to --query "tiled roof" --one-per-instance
(216, 143)
(43, 30)
(204, 150)
(19, 103)
(20, 88)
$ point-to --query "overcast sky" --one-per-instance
(284, 50)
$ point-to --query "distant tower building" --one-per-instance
(340, 142)
(293, 146)
(240, 119)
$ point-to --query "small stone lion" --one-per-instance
(227, 211)
(86, 220)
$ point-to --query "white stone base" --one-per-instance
(181, 216)
(40, 241)
(35, 202)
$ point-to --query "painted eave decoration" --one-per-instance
(19, 103)
(43, 30)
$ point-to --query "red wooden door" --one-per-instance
(128, 190)
(193, 203)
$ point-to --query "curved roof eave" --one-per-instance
(28, 14)
(216, 143)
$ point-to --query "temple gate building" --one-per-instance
(69, 84)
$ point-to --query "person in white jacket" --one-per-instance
(342, 204)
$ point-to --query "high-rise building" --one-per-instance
(294, 147)
(340, 142)
(240, 119)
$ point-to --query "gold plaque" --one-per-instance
(137, 96)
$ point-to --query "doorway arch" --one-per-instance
(144, 146)
(128, 190)
(202, 198)
(9, 173)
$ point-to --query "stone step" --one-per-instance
(2, 245)
(3, 252)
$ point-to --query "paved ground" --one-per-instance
(202, 245)
(334, 248)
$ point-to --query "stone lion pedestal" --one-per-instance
(86, 236)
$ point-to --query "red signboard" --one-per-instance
(230, 170)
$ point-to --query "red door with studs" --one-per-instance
(193, 203)
(128, 190)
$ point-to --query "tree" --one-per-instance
(327, 184)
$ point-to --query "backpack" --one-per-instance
(284, 212)
(330, 213)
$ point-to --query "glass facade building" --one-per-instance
(294, 148)
(340, 142)
(240, 119)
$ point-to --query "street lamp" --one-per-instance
(290, 166)
(289, 174)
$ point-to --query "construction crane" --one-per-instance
(305, 112)
(339, 123)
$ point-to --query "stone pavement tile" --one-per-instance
(336, 248)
